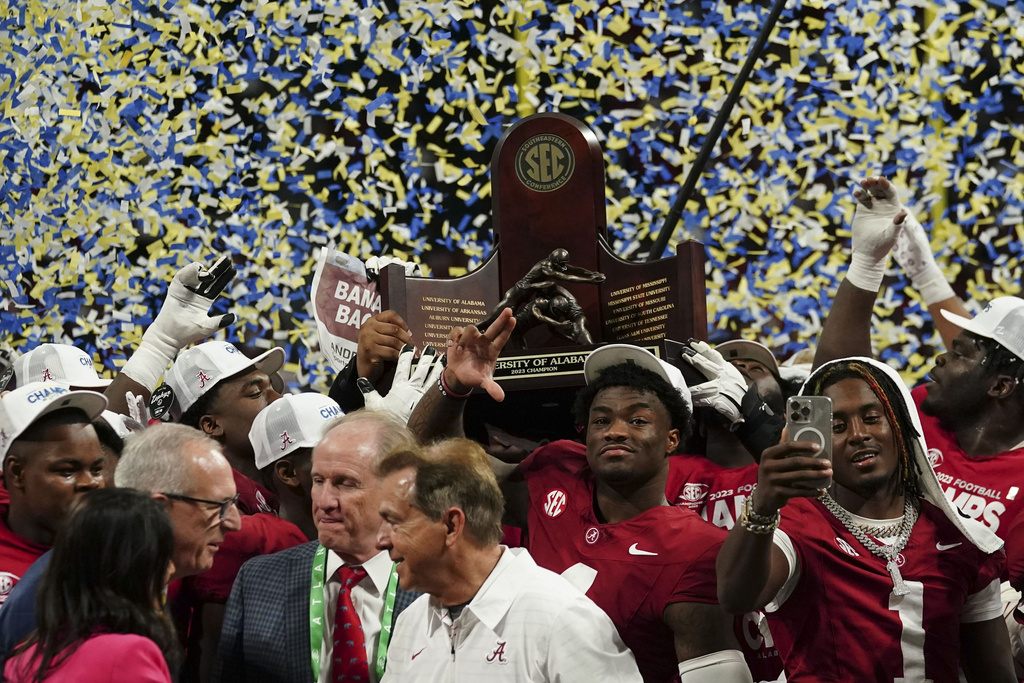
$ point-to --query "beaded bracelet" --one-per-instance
(448, 393)
(755, 523)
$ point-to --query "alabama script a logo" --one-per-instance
(499, 654)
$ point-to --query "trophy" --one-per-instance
(553, 266)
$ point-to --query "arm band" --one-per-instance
(724, 666)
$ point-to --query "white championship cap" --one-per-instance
(289, 423)
(202, 367)
(28, 403)
(58, 363)
(613, 354)
(1002, 321)
(744, 349)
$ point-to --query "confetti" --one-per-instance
(139, 136)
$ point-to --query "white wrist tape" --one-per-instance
(866, 272)
(933, 286)
(149, 362)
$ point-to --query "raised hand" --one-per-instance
(876, 223)
(381, 338)
(782, 470)
(375, 264)
(725, 388)
(913, 252)
(410, 381)
(183, 319)
(472, 355)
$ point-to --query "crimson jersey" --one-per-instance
(714, 492)
(842, 616)
(634, 569)
(988, 489)
(252, 497)
(17, 554)
(717, 494)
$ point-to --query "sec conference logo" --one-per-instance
(545, 163)
(692, 494)
(554, 504)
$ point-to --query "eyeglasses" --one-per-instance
(223, 505)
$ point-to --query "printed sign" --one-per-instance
(343, 299)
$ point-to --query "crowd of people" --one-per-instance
(217, 528)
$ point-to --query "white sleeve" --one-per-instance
(726, 666)
(584, 642)
(785, 544)
(983, 605)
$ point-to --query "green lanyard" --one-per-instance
(316, 614)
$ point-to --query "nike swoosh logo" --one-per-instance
(418, 653)
(944, 546)
(633, 550)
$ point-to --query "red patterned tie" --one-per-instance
(349, 653)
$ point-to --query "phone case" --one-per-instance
(809, 418)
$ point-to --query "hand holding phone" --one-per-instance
(809, 418)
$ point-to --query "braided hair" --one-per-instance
(894, 407)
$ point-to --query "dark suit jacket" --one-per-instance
(265, 635)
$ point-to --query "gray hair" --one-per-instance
(454, 473)
(154, 459)
(392, 434)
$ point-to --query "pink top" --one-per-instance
(103, 658)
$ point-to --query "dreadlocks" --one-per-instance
(895, 412)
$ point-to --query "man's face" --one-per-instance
(411, 539)
(864, 454)
(294, 472)
(238, 402)
(629, 435)
(50, 470)
(302, 459)
(198, 528)
(346, 493)
(767, 385)
(959, 383)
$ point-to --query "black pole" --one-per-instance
(672, 217)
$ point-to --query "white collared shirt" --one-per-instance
(524, 624)
(368, 598)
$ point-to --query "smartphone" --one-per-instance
(809, 418)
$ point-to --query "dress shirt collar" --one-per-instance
(378, 568)
(496, 595)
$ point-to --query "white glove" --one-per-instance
(138, 415)
(725, 387)
(874, 233)
(183, 319)
(375, 264)
(914, 254)
(408, 386)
